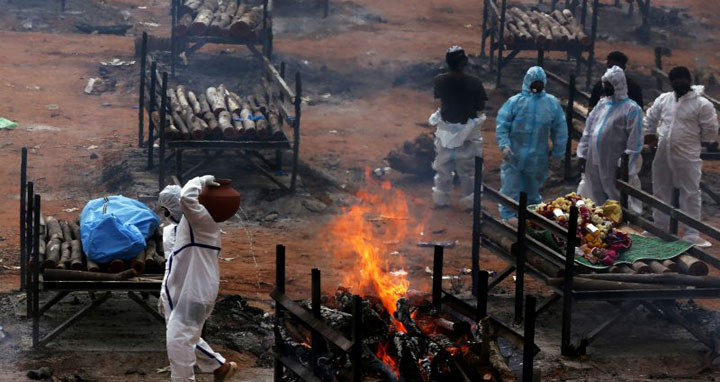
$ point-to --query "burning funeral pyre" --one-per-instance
(404, 338)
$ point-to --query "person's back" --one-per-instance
(461, 96)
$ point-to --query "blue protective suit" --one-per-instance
(612, 128)
(525, 123)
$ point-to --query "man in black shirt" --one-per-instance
(634, 90)
(457, 137)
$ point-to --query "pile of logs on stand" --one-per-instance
(219, 18)
(417, 344)
(219, 114)
(62, 257)
(528, 26)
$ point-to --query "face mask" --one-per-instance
(608, 90)
(537, 87)
(681, 89)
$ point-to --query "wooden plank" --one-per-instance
(307, 319)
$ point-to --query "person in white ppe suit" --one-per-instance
(613, 128)
(191, 282)
(457, 136)
(677, 124)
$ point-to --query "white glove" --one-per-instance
(507, 154)
(208, 180)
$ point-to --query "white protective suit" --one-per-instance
(190, 285)
(456, 146)
(681, 125)
(613, 127)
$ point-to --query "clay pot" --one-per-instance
(222, 202)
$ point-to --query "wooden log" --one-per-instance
(75, 229)
(116, 266)
(243, 26)
(76, 262)
(54, 230)
(196, 125)
(584, 283)
(182, 27)
(42, 247)
(232, 103)
(641, 267)
(261, 123)
(190, 6)
(173, 101)
(194, 104)
(182, 99)
(53, 253)
(70, 275)
(506, 241)
(151, 255)
(542, 25)
(656, 278)
(657, 267)
(574, 28)
(671, 265)
(212, 124)
(92, 266)
(532, 26)
(249, 127)
(65, 255)
(43, 229)
(67, 233)
(495, 356)
(225, 124)
(691, 265)
(221, 21)
(559, 16)
(138, 263)
(216, 101)
(621, 269)
(171, 132)
(179, 122)
(201, 22)
(204, 105)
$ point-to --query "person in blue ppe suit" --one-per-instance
(612, 128)
(525, 124)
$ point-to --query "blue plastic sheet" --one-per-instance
(116, 227)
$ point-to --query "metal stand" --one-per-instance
(313, 321)
(495, 12)
(34, 281)
(276, 93)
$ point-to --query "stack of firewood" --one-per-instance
(543, 28)
(60, 248)
(219, 114)
(218, 18)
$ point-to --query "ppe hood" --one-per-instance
(533, 74)
(616, 77)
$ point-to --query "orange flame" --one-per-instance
(365, 233)
(383, 355)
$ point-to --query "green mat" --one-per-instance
(643, 248)
(7, 124)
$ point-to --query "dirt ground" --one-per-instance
(367, 72)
